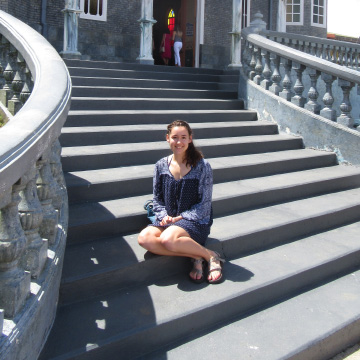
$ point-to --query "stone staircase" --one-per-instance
(287, 219)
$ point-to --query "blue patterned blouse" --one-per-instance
(189, 196)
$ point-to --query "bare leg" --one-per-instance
(174, 241)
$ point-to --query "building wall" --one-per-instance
(119, 37)
(215, 52)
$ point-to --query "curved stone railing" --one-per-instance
(300, 78)
(338, 52)
(35, 87)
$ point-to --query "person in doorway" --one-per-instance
(182, 194)
(165, 48)
(177, 38)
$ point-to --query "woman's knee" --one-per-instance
(169, 240)
(146, 238)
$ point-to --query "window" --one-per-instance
(245, 13)
(294, 12)
(171, 21)
(93, 9)
(318, 16)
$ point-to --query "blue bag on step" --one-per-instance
(148, 206)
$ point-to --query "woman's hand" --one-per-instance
(170, 220)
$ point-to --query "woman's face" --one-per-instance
(179, 139)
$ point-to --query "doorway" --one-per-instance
(184, 14)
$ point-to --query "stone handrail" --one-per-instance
(35, 86)
(338, 52)
(280, 69)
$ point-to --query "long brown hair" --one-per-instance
(192, 155)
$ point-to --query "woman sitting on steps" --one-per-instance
(182, 189)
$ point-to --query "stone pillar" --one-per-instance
(235, 55)
(71, 22)
(146, 40)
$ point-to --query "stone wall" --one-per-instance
(215, 53)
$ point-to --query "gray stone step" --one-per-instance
(96, 185)
(115, 155)
(143, 83)
(137, 320)
(131, 117)
(139, 68)
(164, 93)
(149, 74)
(91, 221)
(130, 103)
(246, 194)
(102, 135)
(329, 314)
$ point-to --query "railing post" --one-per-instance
(46, 193)
(14, 103)
(275, 88)
(14, 281)
(31, 216)
(258, 67)
(312, 105)
(345, 117)
(328, 112)
(298, 99)
(6, 92)
(267, 71)
(286, 83)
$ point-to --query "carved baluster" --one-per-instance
(312, 105)
(342, 55)
(14, 281)
(46, 193)
(328, 53)
(267, 71)
(345, 117)
(6, 92)
(357, 121)
(58, 175)
(31, 216)
(3, 62)
(26, 90)
(276, 77)
(298, 99)
(357, 60)
(328, 112)
(246, 57)
(258, 67)
(301, 45)
(334, 55)
(307, 47)
(355, 55)
(286, 83)
(14, 103)
(252, 63)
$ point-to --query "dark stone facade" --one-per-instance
(217, 25)
(118, 38)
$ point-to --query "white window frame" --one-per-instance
(301, 22)
(324, 25)
(102, 17)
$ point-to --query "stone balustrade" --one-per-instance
(35, 90)
(338, 52)
(287, 68)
